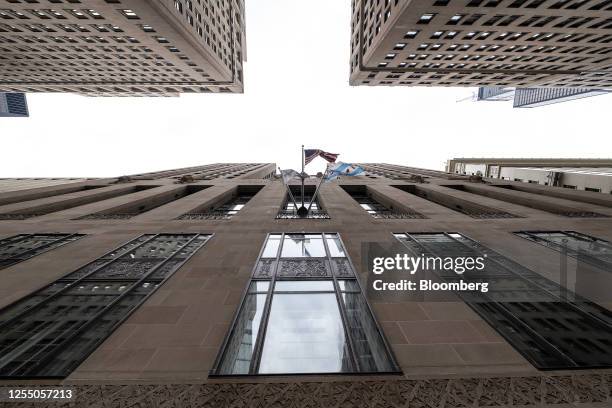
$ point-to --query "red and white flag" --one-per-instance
(311, 154)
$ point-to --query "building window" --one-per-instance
(375, 208)
(595, 251)
(290, 211)
(533, 202)
(67, 201)
(593, 189)
(50, 332)
(466, 207)
(549, 325)
(304, 312)
(227, 208)
(137, 207)
(426, 18)
(25, 246)
(130, 14)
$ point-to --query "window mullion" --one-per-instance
(362, 293)
(132, 285)
(343, 314)
(77, 281)
(537, 338)
(573, 305)
(263, 325)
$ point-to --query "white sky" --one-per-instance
(296, 92)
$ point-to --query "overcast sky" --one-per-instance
(296, 92)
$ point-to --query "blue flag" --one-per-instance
(335, 170)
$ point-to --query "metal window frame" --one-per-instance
(261, 334)
(476, 211)
(383, 213)
(603, 265)
(116, 213)
(218, 212)
(134, 285)
(66, 239)
(285, 214)
(499, 306)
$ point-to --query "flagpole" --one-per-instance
(302, 175)
(317, 190)
(288, 189)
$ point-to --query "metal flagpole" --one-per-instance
(288, 189)
(303, 165)
(302, 211)
(317, 190)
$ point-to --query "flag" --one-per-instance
(289, 175)
(311, 154)
(342, 169)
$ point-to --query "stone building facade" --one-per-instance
(137, 286)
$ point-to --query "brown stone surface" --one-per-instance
(175, 335)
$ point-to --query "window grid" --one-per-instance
(595, 251)
(532, 202)
(378, 210)
(50, 332)
(289, 211)
(269, 269)
(549, 325)
(21, 247)
(498, 46)
(469, 208)
(135, 208)
(223, 212)
(119, 40)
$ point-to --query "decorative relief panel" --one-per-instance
(265, 268)
(342, 268)
(303, 268)
(591, 390)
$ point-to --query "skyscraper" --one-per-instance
(125, 48)
(184, 288)
(13, 105)
(593, 175)
(536, 97)
(500, 43)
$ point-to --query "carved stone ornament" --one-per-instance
(311, 268)
(590, 390)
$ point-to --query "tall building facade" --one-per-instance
(520, 43)
(13, 105)
(122, 48)
(593, 175)
(15, 184)
(185, 288)
(536, 97)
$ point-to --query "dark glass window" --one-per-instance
(25, 246)
(70, 200)
(227, 209)
(50, 332)
(290, 211)
(549, 325)
(375, 208)
(451, 202)
(138, 207)
(525, 199)
(595, 251)
(304, 312)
